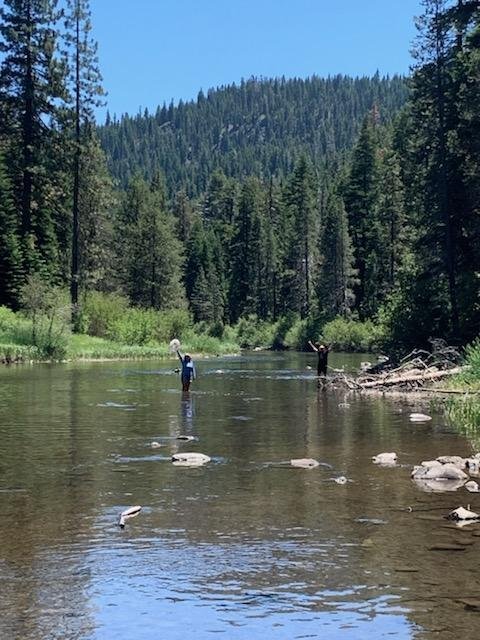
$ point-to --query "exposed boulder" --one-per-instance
(419, 417)
(190, 459)
(462, 514)
(472, 465)
(472, 486)
(385, 458)
(439, 472)
(458, 461)
(304, 463)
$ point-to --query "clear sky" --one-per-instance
(153, 51)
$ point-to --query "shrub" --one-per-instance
(253, 332)
(101, 311)
(301, 332)
(281, 329)
(172, 324)
(135, 326)
(472, 359)
(203, 343)
(8, 320)
(49, 311)
(352, 335)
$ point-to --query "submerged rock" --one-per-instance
(304, 463)
(385, 458)
(186, 438)
(341, 480)
(438, 486)
(190, 459)
(156, 445)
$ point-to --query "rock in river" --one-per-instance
(190, 459)
(419, 417)
(304, 463)
(385, 458)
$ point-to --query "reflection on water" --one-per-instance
(245, 546)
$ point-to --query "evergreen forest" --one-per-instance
(269, 201)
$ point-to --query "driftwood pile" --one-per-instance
(413, 372)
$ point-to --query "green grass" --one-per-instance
(16, 344)
(83, 347)
(464, 412)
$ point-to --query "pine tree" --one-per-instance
(432, 114)
(336, 277)
(246, 253)
(301, 203)
(151, 253)
(10, 252)
(360, 195)
(85, 81)
(96, 205)
(31, 83)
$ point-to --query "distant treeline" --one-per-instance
(275, 199)
(258, 128)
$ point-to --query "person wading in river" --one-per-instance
(322, 352)
(188, 371)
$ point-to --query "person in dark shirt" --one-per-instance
(188, 371)
(322, 352)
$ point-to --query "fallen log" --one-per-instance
(408, 377)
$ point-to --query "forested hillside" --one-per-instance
(287, 203)
(256, 128)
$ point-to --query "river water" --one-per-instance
(242, 548)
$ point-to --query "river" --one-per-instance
(242, 548)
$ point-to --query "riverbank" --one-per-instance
(90, 348)
(113, 330)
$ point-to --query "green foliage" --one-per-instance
(193, 342)
(302, 331)
(152, 254)
(135, 326)
(10, 247)
(10, 353)
(464, 415)
(108, 315)
(8, 320)
(101, 311)
(254, 128)
(336, 276)
(253, 332)
(49, 311)
(281, 329)
(88, 347)
(352, 335)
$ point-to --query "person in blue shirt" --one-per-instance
(188, 371)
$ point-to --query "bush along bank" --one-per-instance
(110, 328)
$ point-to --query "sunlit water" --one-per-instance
(243, 548)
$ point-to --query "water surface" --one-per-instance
(243, 548)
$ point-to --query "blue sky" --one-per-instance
(157, 50)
